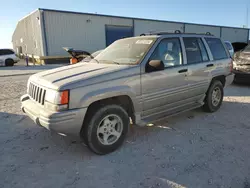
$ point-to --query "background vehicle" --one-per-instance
(143, 78)
(79, 55)
(230, 48)
(242, 66)
(8, 57)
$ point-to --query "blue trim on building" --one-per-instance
(91, 14)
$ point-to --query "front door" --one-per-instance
(165, 90)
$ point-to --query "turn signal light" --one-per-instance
(64, 97)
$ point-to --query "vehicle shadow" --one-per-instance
(190, 143)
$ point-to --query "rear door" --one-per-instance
(221, 57)
(199, 66)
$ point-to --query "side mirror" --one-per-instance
(154, 65)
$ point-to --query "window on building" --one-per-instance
(217, 49)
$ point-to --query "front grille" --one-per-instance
(37, 93)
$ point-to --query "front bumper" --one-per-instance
(67, 123)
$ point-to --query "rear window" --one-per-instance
(217, 49)
(229, 46)
(6, 52)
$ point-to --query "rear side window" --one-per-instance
(217, 49)
(195, 50)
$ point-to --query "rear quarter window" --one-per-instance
(217, 49)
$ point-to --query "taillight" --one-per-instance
(73, 61)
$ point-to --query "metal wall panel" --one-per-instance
(144, 26)
(234, 34)
(192, 28)
(85, 32)
(27, 35)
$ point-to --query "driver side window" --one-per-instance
(169, 52)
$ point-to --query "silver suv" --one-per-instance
(141, 79)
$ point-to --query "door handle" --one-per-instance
(210, 65)
(183, 70)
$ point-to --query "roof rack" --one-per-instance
(175, 32)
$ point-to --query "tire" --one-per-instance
(9, 62)
(94, 134)
(212, 104)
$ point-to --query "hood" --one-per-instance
(71, 76)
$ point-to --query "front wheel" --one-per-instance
(106, 130)
(214, 97)
(9, 62)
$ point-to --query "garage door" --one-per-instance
(114, 33)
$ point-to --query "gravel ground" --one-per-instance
(194, 149)
(20, 68)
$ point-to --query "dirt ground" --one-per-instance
(194, 149)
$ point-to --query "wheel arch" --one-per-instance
(220, 78)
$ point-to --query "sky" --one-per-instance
(213, 12)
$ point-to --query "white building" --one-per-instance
(44, 32)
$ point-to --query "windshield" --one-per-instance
(247, 49)
(126, 51)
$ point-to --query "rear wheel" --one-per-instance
(214, 97)
(9, 62)
(106, 130)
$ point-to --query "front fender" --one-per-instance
(105, 93)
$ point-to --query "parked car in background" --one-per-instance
(230, 48)
(143, 78)
(79, 55)
(8, 57)
(241, 66)
(238, 46)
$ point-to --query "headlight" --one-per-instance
(55, 107)
(57, 101)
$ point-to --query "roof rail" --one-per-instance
(175, 32)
